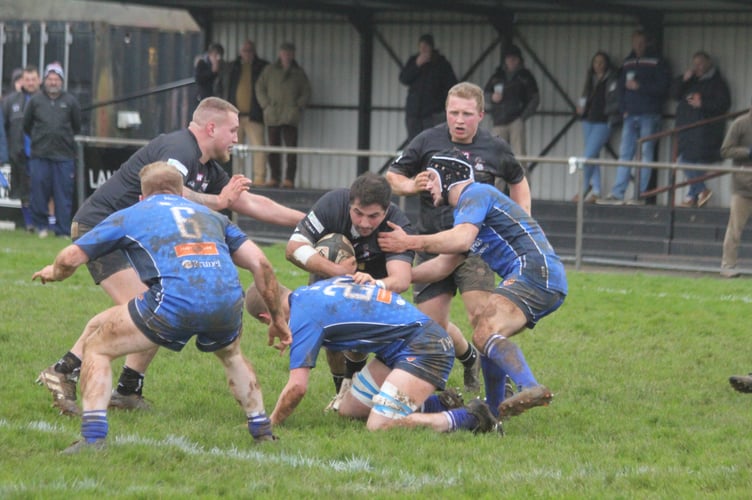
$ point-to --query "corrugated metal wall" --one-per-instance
(328, 49)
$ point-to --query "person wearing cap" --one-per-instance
(51, 119)
(487, 223)
(428, 76)
(512, 97)
(283, 90)
(19, 144)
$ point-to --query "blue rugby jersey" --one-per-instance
(182, 252)
(344, 316)
(509, 240)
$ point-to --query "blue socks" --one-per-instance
(259, 425)
(507, 356)
(433, 405)
(460, 418)
(494, 378)
(94, 425)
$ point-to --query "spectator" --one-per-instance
(19, 144)
(283, 90)
(737, 146)
(208, 72)
(512, 96)
(52, 118)
(244, 72)
(187, 254)
(429, 76)
(643, 85)
(593, 107)
(701, 93)
(16, 80)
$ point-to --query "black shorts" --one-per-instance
(106, 265)
(472, 275)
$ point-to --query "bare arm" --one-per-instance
(520, 194)
(238, 185)
(300, 252)
(266, 210)
(437, 268)
(291, 395)
(66, 263)
(250, 256)
(455, 240)
(405, 186)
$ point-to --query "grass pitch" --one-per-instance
(639, 364)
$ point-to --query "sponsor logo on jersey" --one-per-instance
(185, 249)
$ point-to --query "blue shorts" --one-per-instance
(533, 299)
(155, 327)
(429, 355)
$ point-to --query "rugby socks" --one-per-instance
(28, 222)
(432, 405)
(130, 382)
(494, 379)
(507, 356)
(468, 359)
(259, 424)
(69, 364)
(337, 378)
(460, 418)
(94, 425)
(353, 367)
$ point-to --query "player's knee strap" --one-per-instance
(392, 403)
(364, 388)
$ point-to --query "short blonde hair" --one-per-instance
(211, 109)
(467, 90)
(160, 177)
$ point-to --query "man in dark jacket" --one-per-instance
(643, 86)
(512, 96)
(19, 145)
(243, 75)
(701, 93)
(52, 118)
(429, 76)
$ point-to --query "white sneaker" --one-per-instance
(43, 233)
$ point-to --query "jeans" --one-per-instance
(596, 136)
(635, 126)
(698, 187)
(52, 178)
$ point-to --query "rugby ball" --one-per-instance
(334, 247)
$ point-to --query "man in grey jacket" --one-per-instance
(52, 118)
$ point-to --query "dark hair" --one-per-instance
(30, 68)
(589, 78)
(216, 47)
(427, 38)
(370, 188)
(511, 50)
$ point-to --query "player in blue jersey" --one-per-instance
(197, 151)
(186, 255)
(414, 355)
(489, 224)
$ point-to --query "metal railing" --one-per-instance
(575, 165)
(671, 134)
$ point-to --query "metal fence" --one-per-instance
(243, 157)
